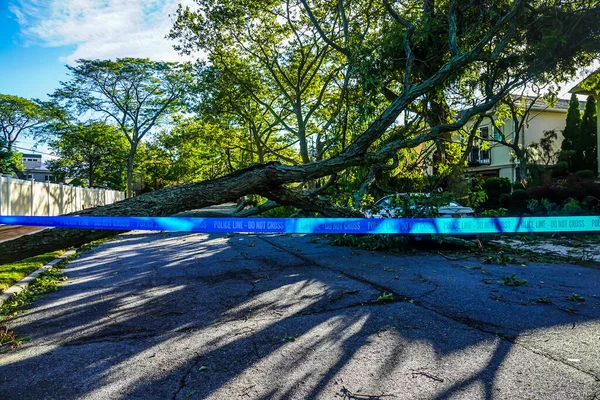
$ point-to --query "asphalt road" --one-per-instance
(194, 316)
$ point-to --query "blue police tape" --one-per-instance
(406, 226)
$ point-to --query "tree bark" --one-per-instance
(265, 179)
(130, 160)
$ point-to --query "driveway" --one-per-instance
(196, 316)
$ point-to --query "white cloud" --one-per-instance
(100, 29)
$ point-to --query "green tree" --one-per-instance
(588, 135)
(571, 133)
(94, 152)
(22, 117)
(406, 68)
(487, 49)
(136, 94)
(270, 54)
(9, 160)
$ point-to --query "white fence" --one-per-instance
(19, 197)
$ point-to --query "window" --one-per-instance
(479, 156)
(485, 154)
(29, 176)
(46, 178)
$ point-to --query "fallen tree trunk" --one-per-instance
(260, 179)
(269, 180)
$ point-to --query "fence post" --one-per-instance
(61, 201)
(8, 199)
(1, 190)
(32, 199)
(48, 197)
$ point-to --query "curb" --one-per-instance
(23, 283)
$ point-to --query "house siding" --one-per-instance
(539, 121)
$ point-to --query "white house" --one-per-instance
(497, 160)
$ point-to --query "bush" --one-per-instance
(591, 204)
(518, 186)
(586, 174)
(571, 207)
(504, 200)
(500, 212)
(518, 201)
(560, 169)
(559, 192)
(494, 188)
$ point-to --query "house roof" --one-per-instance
(41, 170)
(32, 155)
(590, 86)
(561, 105)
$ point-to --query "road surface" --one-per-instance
(198, 316)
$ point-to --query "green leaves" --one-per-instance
(95, 152)
(135, 94)
(385, 297)
(20, 116)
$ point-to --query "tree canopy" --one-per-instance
(135, 94)
(94, 152)
(391, 75)
(22, 117)
(9, 160)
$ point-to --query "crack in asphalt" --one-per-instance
(182, 381)
(308, 261)
(470, 323)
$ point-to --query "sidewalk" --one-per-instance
(13, 232)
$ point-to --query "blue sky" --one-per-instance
(39, 37)
(29, 71)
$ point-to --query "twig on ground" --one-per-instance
(358, 396)
(451, 258)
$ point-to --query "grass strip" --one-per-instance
(13, 272)
(47, 281)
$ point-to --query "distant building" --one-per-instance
(34, 168)
(496, 160)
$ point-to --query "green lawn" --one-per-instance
(13, 272)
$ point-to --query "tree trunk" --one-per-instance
(130, 159)
(259, 179)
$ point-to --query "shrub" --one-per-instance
(518, 186)
(559, 192)
(586, 174)
(560, 169)
(500, 212)
(494, 188)
(518, 201)
(504, 200)
(591, 204)
(571, 207)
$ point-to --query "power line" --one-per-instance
(35, 151)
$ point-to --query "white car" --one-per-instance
(389, 206)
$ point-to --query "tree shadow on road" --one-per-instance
(209, 316)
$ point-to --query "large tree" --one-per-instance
(94, 152)
(22, 117)
(572, 131)
(134, 94)
(487, 48)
